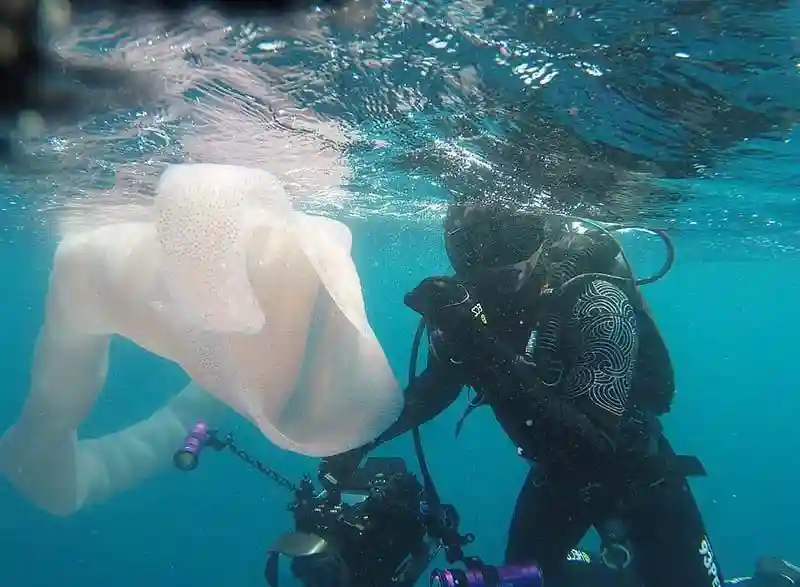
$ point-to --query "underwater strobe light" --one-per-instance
(488, 576)
(187, 457)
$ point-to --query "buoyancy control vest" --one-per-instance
(583, 251)
(581, 256)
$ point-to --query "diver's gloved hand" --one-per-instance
(454, 318)
(448, 304)
(457, 325)
(339, 469)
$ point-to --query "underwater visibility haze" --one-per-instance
(369, 119)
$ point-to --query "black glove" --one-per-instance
(338, 469)
(457, 325)
(448, 305)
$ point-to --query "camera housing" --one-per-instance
(370, 530)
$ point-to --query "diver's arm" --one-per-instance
(427, 396)
(430, 394)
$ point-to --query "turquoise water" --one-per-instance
(727, 310)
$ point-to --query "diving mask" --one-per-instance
(508, 279)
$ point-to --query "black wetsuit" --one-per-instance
(587, 570)
(597, 456)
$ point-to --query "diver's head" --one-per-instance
(498, 250)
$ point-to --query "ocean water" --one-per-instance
(405, 106)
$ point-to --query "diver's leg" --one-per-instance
(549, 520)
(585, 569)
(669, 539)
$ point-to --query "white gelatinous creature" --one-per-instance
(261, 305)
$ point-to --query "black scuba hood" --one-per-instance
(479, 237)
(482, 239)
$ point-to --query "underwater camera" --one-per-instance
(379, 527)
(371, 531)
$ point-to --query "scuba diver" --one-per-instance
(544, 320)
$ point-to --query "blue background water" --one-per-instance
(728, 309)
(733, 351)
